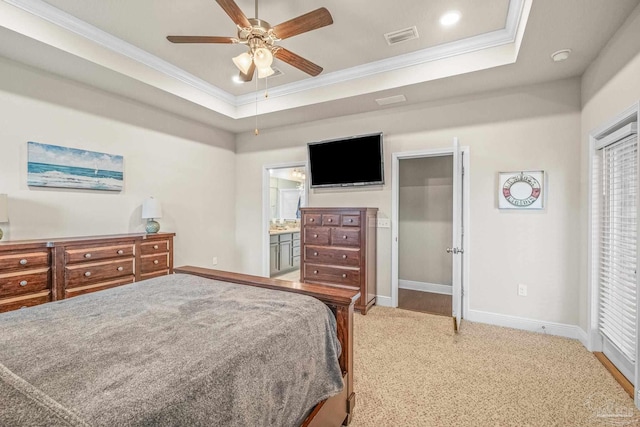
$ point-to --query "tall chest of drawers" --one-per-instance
(38, 271)
(338, 248)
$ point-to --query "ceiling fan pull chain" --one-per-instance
(266, 87)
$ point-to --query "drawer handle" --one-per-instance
(350, 219)
(23, 262)
(87, 274)
(330, 219)
(344, 237)
(120, 268)
(120, 251)
(344, 257)
(315, 271)
(155, 261)
(23, 283)
(315, 254)
(344, 276)
(155, 246)
(312, 220)
(87, 255)
(315, 236)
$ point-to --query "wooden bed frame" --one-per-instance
(338, 409)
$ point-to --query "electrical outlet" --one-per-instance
(214, 261)
(384, 223)
(522, 290)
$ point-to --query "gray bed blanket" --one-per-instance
(171, 351)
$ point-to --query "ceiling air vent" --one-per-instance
(400, 36)
(391, 100)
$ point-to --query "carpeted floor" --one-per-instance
(412, 370)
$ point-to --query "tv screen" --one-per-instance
(342, 162)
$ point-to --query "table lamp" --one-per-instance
(151, 210)
(4, 210)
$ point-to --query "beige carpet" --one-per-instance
(412, 370)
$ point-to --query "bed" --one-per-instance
(201, 347)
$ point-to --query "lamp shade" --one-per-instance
(263, 58)
(151, 209)
(265, 72)
(4, 208)
(243, 62)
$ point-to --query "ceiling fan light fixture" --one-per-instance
(265, 72)
(263, 58)
(243, 62)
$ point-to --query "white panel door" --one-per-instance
(457, 250)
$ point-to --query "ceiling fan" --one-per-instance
(261, 39)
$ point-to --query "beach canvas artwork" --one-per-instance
(62, 167)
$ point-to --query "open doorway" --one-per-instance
(285, 193)
(430, 232)
(425, 226)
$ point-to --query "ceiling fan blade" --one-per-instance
(234, 12)
(309, 21)
(249, 76)
(298, 62)
(201, 39)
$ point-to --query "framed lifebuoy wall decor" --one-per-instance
(521, 190)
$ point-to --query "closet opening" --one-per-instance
(425, 226)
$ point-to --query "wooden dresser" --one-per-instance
(33, 272)
(338, 248)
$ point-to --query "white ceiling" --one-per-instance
(120, 46)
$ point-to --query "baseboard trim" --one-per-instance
(383, 301)
(425, 287)
(583, 337)
(533, 325)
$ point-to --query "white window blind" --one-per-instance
(617, 235)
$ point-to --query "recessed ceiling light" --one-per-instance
(450, 18)
(561, 55)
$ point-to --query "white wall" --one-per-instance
(425, 226)
(535, 127)
(189, 167)
(610, 85)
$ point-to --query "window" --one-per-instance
(616, 201)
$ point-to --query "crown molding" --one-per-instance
(69, 22)
(459, 47)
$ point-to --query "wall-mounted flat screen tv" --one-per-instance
(355, 160)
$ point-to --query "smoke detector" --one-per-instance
(561, 55)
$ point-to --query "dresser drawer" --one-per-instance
(330, 219)
(24, 282)
(96, 253)
(90, 273)
(350, 220)
(325, 273)
(94, 287)
(345, 236)
(154, 247)
(333, 256)
(24, 302)
(22, 260)
(312, 219)
(149, 264)
(316, 235)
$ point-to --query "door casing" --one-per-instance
(395, 199)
